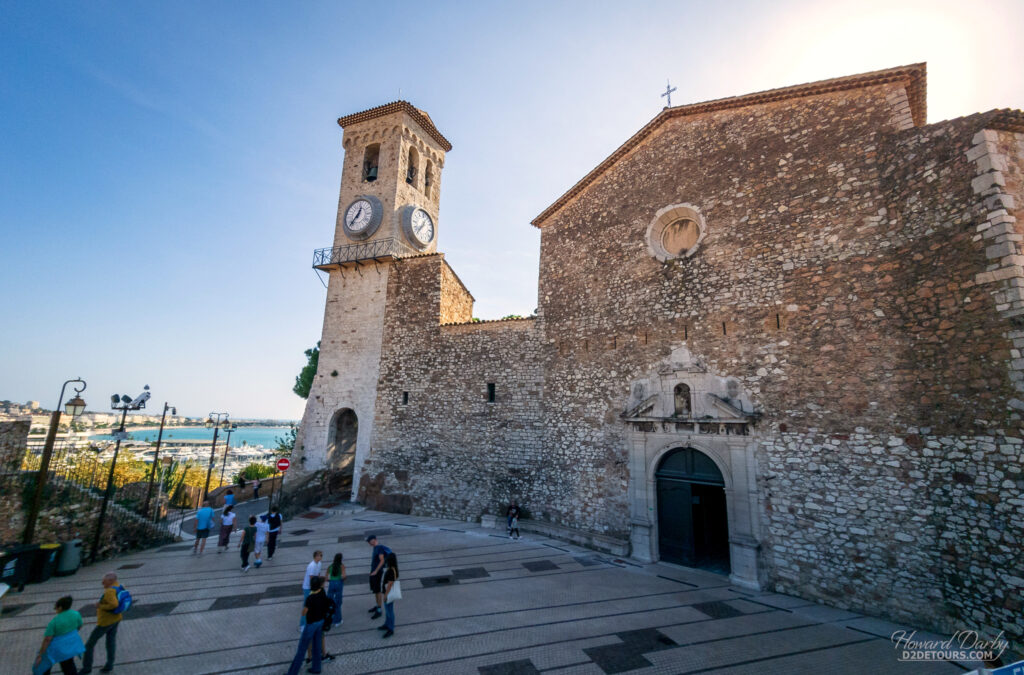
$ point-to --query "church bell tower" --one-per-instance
(387, 209)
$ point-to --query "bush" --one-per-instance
(253, 471)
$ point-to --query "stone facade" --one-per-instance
(844, 319)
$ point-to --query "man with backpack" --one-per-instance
(109, 610)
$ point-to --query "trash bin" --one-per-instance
(15, 565)
(70, 558)
(43, 563)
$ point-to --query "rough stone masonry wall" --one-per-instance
(347, 371)
(456, 302)
(448, 451)
(783, 282)
(917, 528)
(922, 522)
(837, 283)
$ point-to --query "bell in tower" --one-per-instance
(390, 181)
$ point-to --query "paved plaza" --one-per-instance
(475, 602)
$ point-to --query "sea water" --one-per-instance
(265, 436)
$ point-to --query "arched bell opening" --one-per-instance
(693, 527)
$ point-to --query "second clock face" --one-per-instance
(422, 226)
(418, 226)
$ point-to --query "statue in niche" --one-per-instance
(682, 401)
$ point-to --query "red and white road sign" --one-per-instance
(283, 464)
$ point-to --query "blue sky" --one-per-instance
(168, 168)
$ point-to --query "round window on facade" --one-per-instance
(675, 232)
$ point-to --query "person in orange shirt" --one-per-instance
(106, 625)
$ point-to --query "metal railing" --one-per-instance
(75, 484)
(353, 253)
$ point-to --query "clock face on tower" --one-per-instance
(418, 226)
(362, 217)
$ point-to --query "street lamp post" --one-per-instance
(156, 455)
(221, 418)
(124, 404)
(227, 446)
(160, 492)
(74, 408)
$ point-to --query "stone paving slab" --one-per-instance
(474, 602)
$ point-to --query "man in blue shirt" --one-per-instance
(204, 518)
(380, 552)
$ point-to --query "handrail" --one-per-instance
(369, 250)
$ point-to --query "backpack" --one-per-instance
(331, 609)
(124, 600)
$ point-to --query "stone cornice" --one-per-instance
(421, 118)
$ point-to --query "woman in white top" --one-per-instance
(262, 530)
(227, 523)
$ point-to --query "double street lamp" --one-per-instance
(216, 421)
(124, 404)
(230, 429)
(74, 408)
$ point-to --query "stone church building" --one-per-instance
(778, 336)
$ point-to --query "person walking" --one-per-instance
(274, 521)
(314, 570)
(380, 552)
(107, 623)
(314, 610)
(247, 542)
(227, 523)
(513, 526)
(388, 581)
(256, 489)
(262, 528)
(61, 641)
(229, 497)
(336, 578)
(204, 520)
(510, 513)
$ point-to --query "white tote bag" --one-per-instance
(396, 592)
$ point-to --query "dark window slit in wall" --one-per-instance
(490, 392)
(405, 398)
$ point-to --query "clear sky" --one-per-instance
(168, 168)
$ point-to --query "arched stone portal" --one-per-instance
(693, 528)
(341, 451)
(704, 451)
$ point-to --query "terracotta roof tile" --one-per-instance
(421, 118)
(913, 75)
(1006, 119)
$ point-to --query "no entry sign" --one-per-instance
(283, 464)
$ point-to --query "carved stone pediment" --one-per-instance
(681, 390)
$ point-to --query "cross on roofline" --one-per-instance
(668, 93)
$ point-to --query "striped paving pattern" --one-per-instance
(474, 602)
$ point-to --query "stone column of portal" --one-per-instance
(640, 502)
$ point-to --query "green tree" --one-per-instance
(286, 443)
(304, 380)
